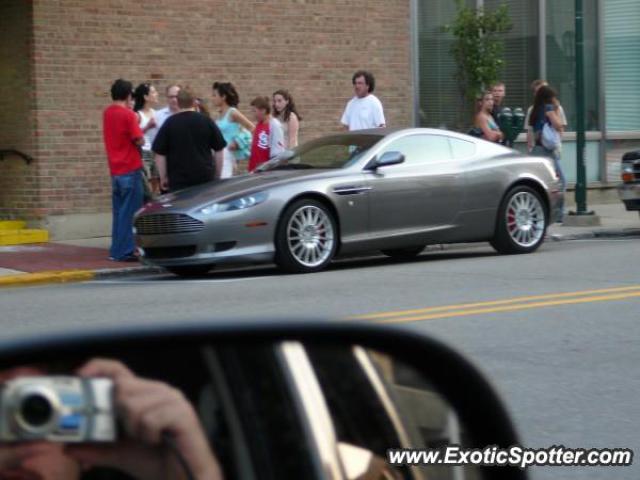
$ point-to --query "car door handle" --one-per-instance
(351, 189)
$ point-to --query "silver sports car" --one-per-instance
(393, 191)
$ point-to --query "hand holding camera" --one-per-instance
(160, 427)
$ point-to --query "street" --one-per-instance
(556, 331)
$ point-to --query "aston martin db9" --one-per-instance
(394, 191)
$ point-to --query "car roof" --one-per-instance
(396, 131)
(382, 132)
(387, 131)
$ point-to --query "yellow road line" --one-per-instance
(511, 308)
(463, 306)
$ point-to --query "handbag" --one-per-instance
(549, 137)
(242, 139)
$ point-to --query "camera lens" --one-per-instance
(36, 410)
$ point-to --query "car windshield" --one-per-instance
(337, 151)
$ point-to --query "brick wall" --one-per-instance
(311, 47)
(18, 181)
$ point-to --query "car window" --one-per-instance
(421, 149)
(337, 151)
(461, 148)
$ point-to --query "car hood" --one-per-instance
(221, 190)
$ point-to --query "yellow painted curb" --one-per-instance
(65, 276)
(24, 236)
(12, 225)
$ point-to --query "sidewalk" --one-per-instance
(615, 222)
(81, 260)
(63, 261)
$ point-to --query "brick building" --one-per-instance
(59, 57)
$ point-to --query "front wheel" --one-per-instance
(306, 238)
(522, 222)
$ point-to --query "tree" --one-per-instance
(478, 47)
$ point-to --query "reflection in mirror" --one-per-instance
(258, 411)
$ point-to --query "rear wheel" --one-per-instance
(522, 222)
(306, 238)
(404, 253)
(190, 271)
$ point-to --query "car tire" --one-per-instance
(522, 222)
(406, 253)
(306, 237)
(190, 271)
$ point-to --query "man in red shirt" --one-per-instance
(122, 139)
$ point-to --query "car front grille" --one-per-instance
(167, 223)
(170, 252)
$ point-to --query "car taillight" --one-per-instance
(627, 174)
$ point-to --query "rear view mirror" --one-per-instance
(388, 159)
(250, 401)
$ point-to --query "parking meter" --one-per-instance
(511, 124)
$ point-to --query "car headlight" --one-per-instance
(240, 203)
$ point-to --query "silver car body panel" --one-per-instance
(391, 207)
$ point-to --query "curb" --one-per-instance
(126, 272)
(64, 276)
(70, 276)
(594, 234)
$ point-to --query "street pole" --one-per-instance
(581, 217)
(581, 177)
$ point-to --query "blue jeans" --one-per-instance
(553, 155)
(126, 199)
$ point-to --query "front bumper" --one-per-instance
(228, 240)
(629, 193)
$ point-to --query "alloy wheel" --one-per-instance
(310, 236)
(525, 219)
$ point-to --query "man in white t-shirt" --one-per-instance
(171, 108)
(364, 110)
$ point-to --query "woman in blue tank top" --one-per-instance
(483, 120)
(235, 127)
(546, 109)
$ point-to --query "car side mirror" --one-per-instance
(387, 159)
(335, 397)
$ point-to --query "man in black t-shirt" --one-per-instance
(183, 147)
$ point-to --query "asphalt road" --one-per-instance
(557, 332)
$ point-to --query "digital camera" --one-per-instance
(57, 409)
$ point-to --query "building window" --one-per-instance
(439, 96)
(521, 51)
(440, 99)
(622, 64)
(561, 59)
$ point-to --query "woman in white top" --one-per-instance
(284, 109)
(146, 97)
